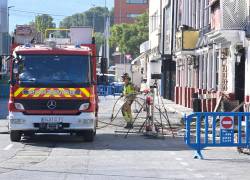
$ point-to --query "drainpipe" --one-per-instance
(172, 39)
(163, 31)
(163, 67)
(160, 27)
(214, 68)
(220, 70)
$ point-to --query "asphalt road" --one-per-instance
(113, 157)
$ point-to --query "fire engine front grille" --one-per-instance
(51, 104)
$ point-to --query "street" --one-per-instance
(111, 156)
(125, 90)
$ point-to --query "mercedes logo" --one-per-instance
(51, 104)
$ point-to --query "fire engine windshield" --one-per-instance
(54, 70)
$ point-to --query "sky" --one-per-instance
(24, 11)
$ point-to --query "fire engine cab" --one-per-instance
(53, 87)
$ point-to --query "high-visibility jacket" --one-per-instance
(128, 89)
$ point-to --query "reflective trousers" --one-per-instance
(126, 111)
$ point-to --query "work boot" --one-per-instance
(129, 126)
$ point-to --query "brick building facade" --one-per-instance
(126, 10)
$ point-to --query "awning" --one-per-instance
(220, 36)
(136, 60)
(202, 41)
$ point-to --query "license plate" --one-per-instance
(52, 126)
(51, 119)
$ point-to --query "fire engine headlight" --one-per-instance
(19, 106)
(84, 106)
(17, 121)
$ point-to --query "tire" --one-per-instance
(15, 136)
(89, 135)
(29, 134)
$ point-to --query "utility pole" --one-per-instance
(120, 8)
(104, 31)
(8, 30)
(93, 18)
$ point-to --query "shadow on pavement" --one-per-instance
(108, 142)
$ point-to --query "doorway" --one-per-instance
(240, 78)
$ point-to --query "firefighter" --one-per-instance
(129, 94)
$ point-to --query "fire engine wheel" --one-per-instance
(29, 134)
(15, 136)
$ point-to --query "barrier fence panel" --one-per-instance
(217, 129)
(105, 90)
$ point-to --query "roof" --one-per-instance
(59, 49)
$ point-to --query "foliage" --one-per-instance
(44, 21)
(93, 17)
(78, 19)
(99, 39)
(128, 37)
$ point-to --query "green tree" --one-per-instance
(78, 19)
(99, 39)
(93, 17)
(44, 21)
(128, 37)
(96, 17)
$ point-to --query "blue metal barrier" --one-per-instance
(105, 90)
(217, 129)
(101, 90)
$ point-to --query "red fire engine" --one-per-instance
(53, 88)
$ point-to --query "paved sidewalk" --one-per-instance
(176, 108)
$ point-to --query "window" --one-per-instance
(154, 21)
(137, 1)
(132, 15)
(54, 70)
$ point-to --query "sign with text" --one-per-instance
(226, 129)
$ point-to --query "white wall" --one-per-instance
(231, 69)
(154, 34)
(120, 69)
